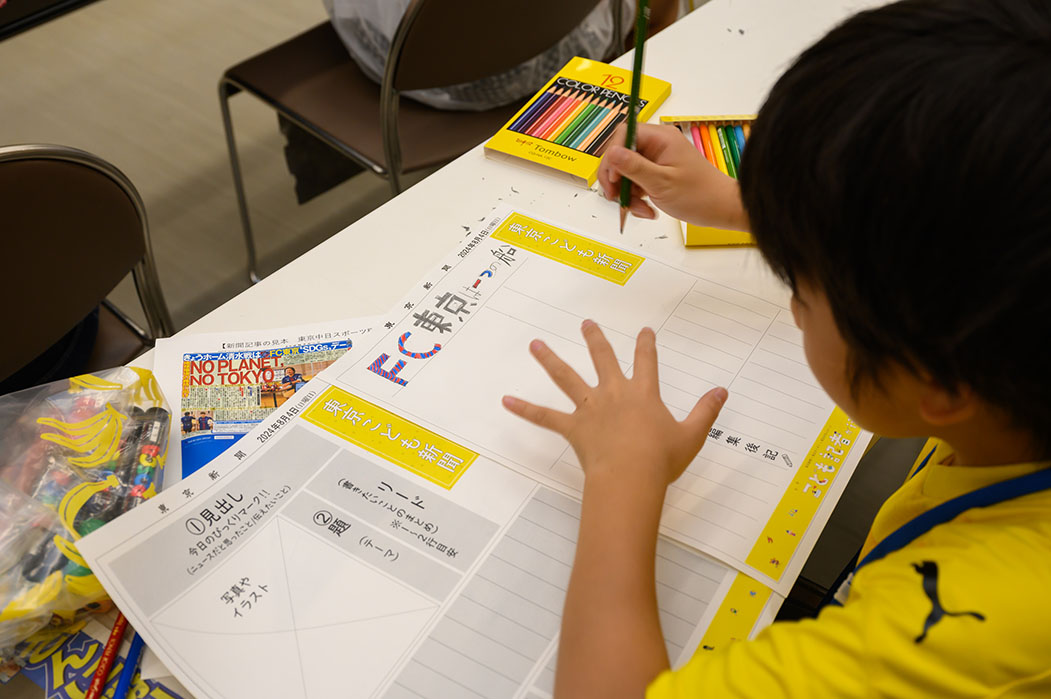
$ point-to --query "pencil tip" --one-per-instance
(623, 217)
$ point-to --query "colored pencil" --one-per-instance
(568, 118)
(537, 107)
(542, 106)
(131, 664)
(720, 162)
(642, 16)
(747, 128)
(739, 132)
(613, 115)
(570, 132)
(533, 120)
(109, 652)
(560, 121)
(709, 149)
(544, 117)
(695, 134)
(731, 142)
(731, 170)
(568, 105)
(586, 127)
(598, 122)
(548, 117)
(599, 144)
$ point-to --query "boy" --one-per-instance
(898, 178)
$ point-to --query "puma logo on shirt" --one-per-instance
(929, 571)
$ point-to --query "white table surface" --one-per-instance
(720, 59)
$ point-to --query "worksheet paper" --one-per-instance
(462, 343)
(312, 568)
(392, 531)
(221, 385)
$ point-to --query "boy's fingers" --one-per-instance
(608, 177)
(636, 167)
(547, 418)
(645, 369)
(703, 415)
(560, 372)
(642, 209)
(606, 365)
(608, 180)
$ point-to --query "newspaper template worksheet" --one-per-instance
(392, 531)
(221, 385)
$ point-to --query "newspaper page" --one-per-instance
(221, 385)
(392, 524)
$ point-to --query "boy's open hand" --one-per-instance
(674, 175)
(621, 428)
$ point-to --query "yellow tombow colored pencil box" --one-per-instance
(567, 126)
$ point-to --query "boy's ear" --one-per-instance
(941, 407)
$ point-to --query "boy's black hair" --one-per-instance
(902, 165)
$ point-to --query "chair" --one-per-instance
(74, 226)
(313, 82)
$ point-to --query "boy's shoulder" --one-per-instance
(961, 611)
(1003, 550)
(973, 588)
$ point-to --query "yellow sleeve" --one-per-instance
(809, 658)
(890, 639)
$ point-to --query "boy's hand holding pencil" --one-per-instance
(675, 177)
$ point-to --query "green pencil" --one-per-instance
(571, 130)
(642, 18)
(735, 151)
(731, 169)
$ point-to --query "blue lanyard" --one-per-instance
(950, 509)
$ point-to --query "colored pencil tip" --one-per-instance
(623, 217)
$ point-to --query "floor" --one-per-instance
(135, 83)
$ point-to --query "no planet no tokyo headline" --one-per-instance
(602, 92)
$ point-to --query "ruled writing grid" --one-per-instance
(719, 336)
(709, 333)
(501, 631)
(714, 336)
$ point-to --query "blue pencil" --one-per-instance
(523, 122)
(131, 664)
(739, 132)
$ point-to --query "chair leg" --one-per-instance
(227, 89)
(394, 177)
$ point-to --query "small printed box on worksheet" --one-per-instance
(567, 126)
(721, 138)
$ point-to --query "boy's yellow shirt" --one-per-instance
(962, 611)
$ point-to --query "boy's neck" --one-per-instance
(989, 444)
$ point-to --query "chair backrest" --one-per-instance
(446, 42)
(73, 227)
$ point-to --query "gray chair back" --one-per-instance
(73, 227)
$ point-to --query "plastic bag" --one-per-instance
(74, 454)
